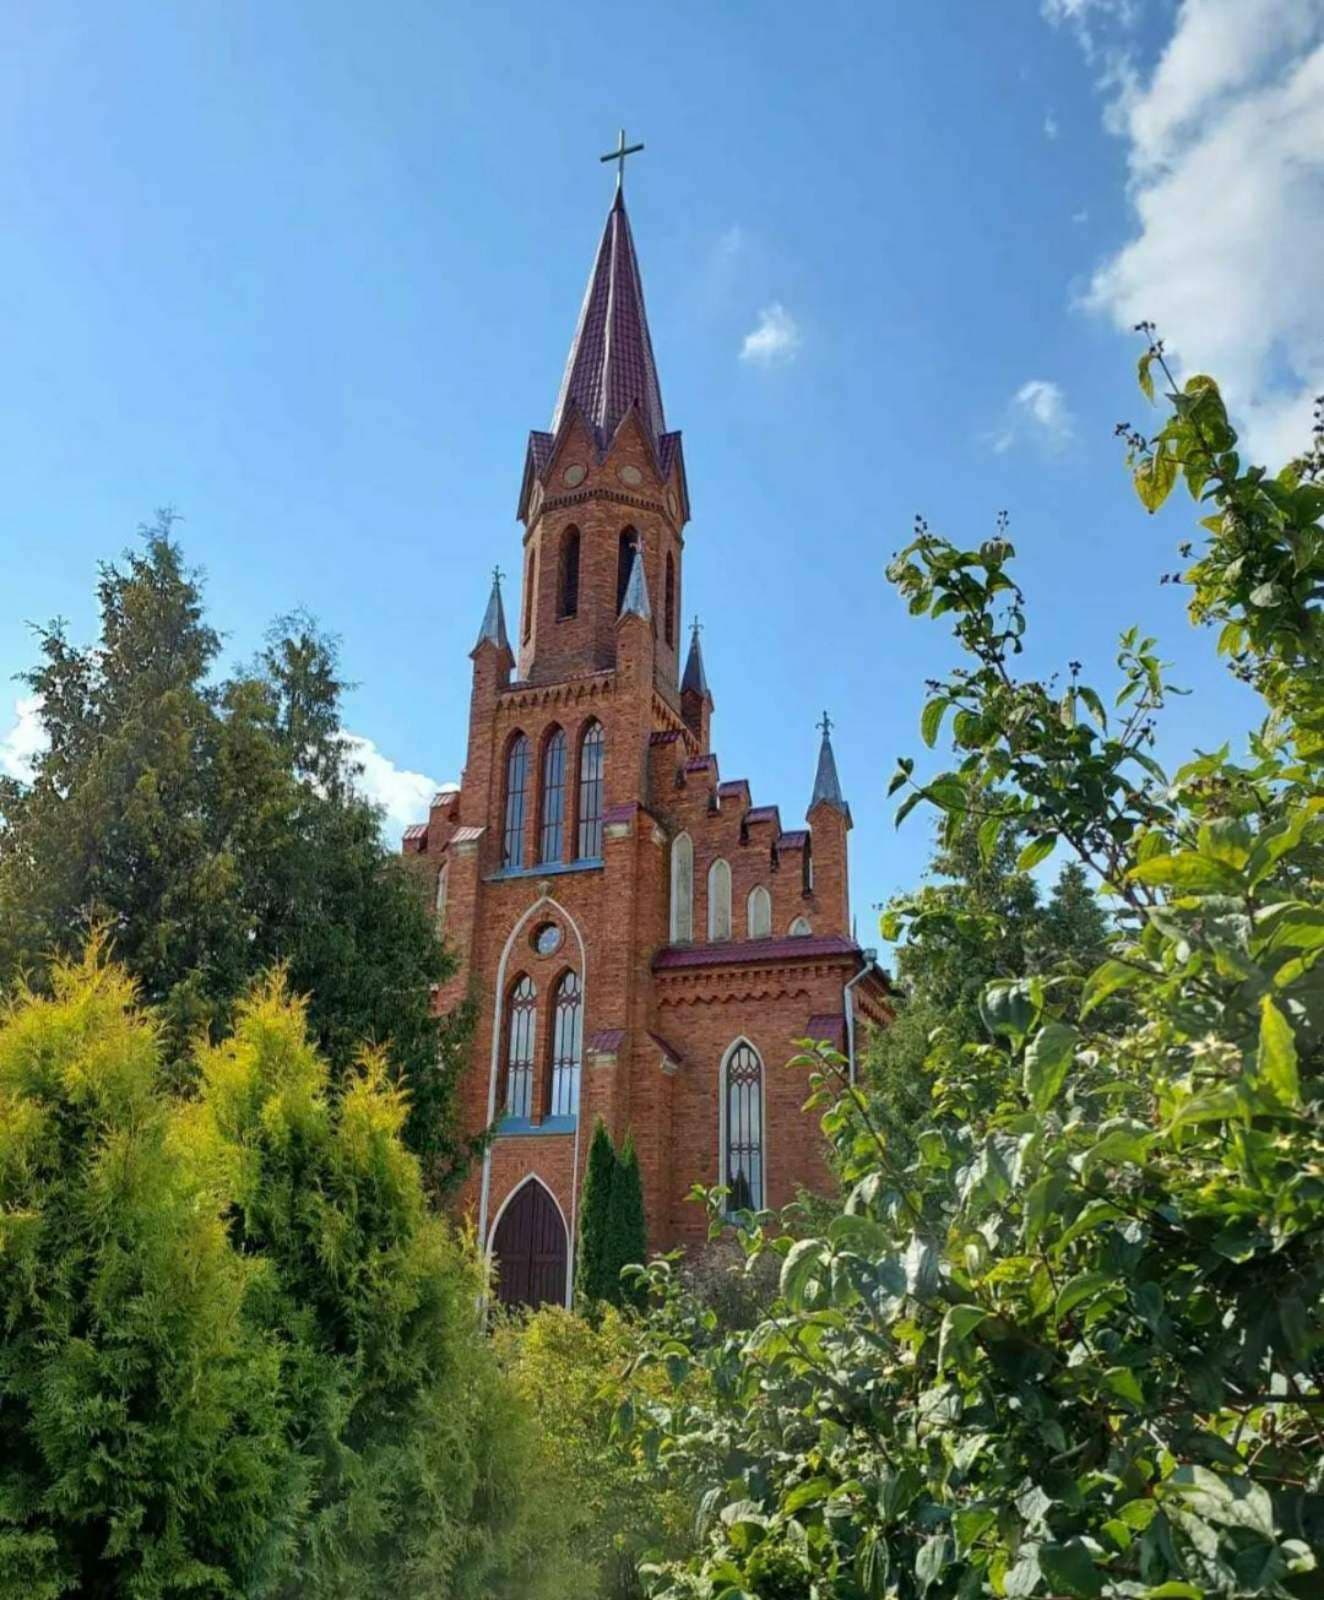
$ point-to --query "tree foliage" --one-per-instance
(213, 827)
(1068, 1342)
(239, 1352)
(612, 1229)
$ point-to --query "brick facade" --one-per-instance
(659, 1015)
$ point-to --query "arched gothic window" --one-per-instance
(521, 1026)
(567, 1044)
(742, 1118)
(719, 900)
(517, 796)
(682, 889)
(528, 594)
(552, 832)
(441, 895)
(568, 599)
(669, 609)
(591, 764)
(758, 912)
(800, 927)
(624, 560)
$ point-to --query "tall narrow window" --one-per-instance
(759, 913)
(719, 900)
(567, 1042)
(441, 895)
(552, 831)
(591, 763)
(682, 889)
(521, 1025)
(669, 609)
(569, 595)
(743, 1113)
(517, 794)
(624, 560)
(528, 594)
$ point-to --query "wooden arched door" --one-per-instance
(530, 1249)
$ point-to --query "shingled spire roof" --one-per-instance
(827, 786)
(695, 678)
(611, 365)
(635, 600)
(493, 630)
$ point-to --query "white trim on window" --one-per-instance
(799, 928)
(682, 889)
(758, 913)
(719, 900)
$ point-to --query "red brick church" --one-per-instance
(644, 941)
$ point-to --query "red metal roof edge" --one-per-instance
(794, 947)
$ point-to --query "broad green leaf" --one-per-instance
(798, 1269)
(1007, 1008)
(970, 1524)
(933, 1556)
(1175, 1589)
(990, 830)
(1094, 1214)
(1142, 373)
(1084, 1286)
(810, 1493)
(1275, 1062)
(1106, 980)
(1154, 478)
(1035, 852)
(1224, 1501)
(931, 719)
(1275, 842)
(958, 1323)
(1047, 1060)
(1226, 839)
(1122, 1382)
(1069, 1569)
(1187, 870)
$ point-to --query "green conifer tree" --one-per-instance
(592, 1282)
(627, 1235)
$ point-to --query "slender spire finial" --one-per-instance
(618, 155)
(493, 630)
(635, 600)
(825, 727)
(695, 679)
(827, 786)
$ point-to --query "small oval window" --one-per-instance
(547, 939)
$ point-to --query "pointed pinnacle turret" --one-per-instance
(695, 679)
(827, 786)
(493, 630)
(611, 367)
(634, 603)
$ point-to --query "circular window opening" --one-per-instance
(547, 938)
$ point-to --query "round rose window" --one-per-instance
(547, 939)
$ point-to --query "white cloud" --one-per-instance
(1037, 414)
(1225, 145)
(775, 338)
(1083, 16)
(1051, 129)
(403, 795)
(24, 741)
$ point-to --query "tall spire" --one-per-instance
(493, 630)
(611, 365)
(695, 679)
(827, 786)
(635, 600)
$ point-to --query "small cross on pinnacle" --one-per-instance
(618, 155)
(696, 627)
(497, 576)
(825, 725)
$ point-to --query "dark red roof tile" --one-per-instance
(753, 951)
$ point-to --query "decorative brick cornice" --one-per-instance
(569, 691)
(550, 503)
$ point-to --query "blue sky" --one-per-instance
(309, 273)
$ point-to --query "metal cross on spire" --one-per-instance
(618, 155)
(825, 726)
(497, 576)
(696, 626)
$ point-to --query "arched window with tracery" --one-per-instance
(669, 607)
(800, 928)
(521, 1027)
(567, 1045)
(624, 561)
(517, 798)
(592, 761)
(682, 889)
(552, 832)
(758, 913)
(719, 900)
(568, 589)
(742, 1116)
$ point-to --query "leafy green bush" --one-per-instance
(1068, 1341)
(239, 1354)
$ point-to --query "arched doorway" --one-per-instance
(530, 1249)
